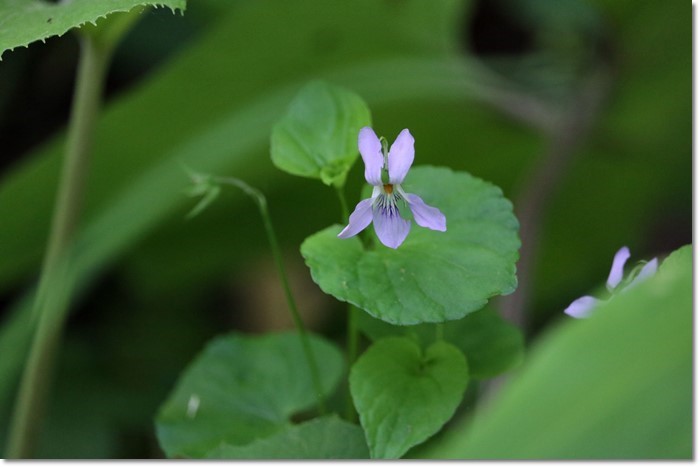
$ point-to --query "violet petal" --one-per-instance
(371, 151)
(401, 156)
(426, 216)
(616, 271)
(391, 228)
(359, 219)
(647, 271)
(582, 307)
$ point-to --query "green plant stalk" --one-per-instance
(439, 332)
(353, 338)
(344, 212)
(352, 331)
(52, 300)
(260, 200)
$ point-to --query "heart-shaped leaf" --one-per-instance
(491, 344)
(321, 438)
(433, 276)
(241, 388)
(403, 395)
(318, 136)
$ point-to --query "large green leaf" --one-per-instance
(615, 386)
(242, 388)
(491, 344)
(322, 438)
(318, 136)
(433, 276)
(25, 21)
(403, 395)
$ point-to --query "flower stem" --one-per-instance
(352, 331)
(260, 200)
(353, 335)
(343, 204)
(439, 332)
(52, 299)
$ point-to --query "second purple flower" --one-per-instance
(390, 207)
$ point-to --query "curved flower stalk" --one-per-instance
(390, 207)
(583, 306)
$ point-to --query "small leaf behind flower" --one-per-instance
(318, 136)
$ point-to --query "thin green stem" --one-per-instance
(260, 200)
(353, 338)
(343, 204)
(52, 299)
(439, 332)
(352, 330)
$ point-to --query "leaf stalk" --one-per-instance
(261, 202)
(53, 295)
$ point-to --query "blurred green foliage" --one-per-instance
(616, 386)
(155, 288)
(326, 437)
(491, 345)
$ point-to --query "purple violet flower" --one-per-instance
(583, 306)
(385, 172)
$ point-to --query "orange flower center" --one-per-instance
(388, 188)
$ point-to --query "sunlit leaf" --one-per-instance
(433, 276)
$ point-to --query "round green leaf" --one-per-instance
(433, 276)
(318, 136)
(321, 438)
(241, 388)
(490, 343)
(403, 395)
